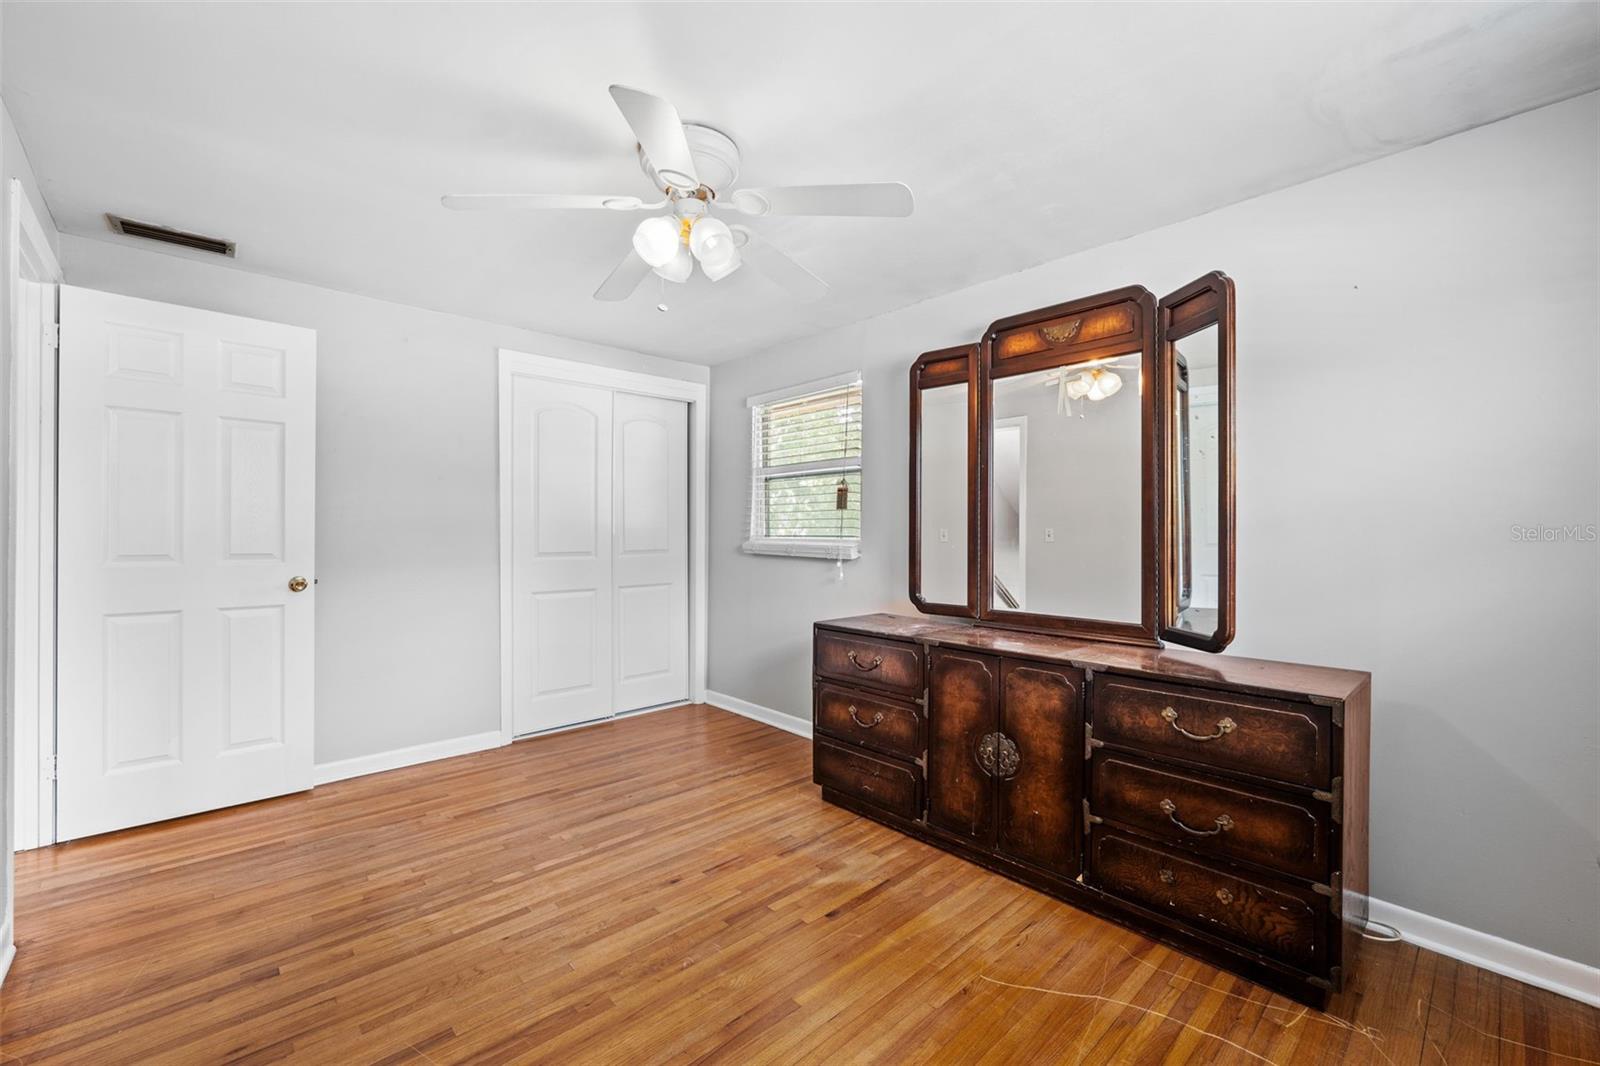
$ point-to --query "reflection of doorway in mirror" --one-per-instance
(1010, 512)
(943, 495)
(1203, 469)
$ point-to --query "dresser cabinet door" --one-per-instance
(962, 689)
(1040, 796)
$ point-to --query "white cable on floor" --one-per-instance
(1391, 937)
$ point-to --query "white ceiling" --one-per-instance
(320, 137)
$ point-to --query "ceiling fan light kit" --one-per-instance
(657, 241)
(693, 165)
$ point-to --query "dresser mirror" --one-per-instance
(1066, 443)
(1196, 325)
(944, 545)
(1074, 471)
(1069, 431)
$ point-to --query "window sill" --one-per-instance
(805, 549)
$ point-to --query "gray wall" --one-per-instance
(408, 609)
(1417, 376)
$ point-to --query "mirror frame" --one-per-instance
(1204, 302)
(1061, 335)
(1121, 320)
(946, 366)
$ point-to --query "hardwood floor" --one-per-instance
(667, 888)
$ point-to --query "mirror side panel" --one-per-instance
(1195, 339)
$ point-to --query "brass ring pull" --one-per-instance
(1170, 809)
(1006, 759)
(1224, 727)
(877, 716)
(877, 661)
(987, 748)
(1224, 895)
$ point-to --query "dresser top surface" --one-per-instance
(1318, 683)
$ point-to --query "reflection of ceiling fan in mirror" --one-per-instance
(694, 167)
(1095, 380)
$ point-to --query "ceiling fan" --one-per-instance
(694, 166)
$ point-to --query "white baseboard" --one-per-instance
(8, 951)
(1529, 965)
(800, 727)
(328, 772)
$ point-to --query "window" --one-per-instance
(805, 457)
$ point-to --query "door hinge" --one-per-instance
(51, 336)
(1334, 890)
(1334, 798)
(52, 767)
(1089, 817)
(1089, 742)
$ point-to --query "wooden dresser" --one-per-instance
(1215, 803)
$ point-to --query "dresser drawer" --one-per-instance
(1280, 831)
(873, 721)
(887, 664)
(885, 783)
(1286, 923)
(1275, 739)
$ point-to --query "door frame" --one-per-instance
(31, 603)
(514, 365)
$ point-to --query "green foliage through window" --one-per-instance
(807, 462)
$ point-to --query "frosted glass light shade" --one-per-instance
(710, 240)
(1104, 385)
(678, 268)
(717, 269)
(656, 241)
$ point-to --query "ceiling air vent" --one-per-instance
(150, 231)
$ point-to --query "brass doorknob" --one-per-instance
(298, 584)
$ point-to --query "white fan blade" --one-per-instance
(779, 268)
(624, 279)
(660, 132)
(536, 201)
(884, 199)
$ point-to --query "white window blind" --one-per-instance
(805, 488)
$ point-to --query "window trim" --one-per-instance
(830, 548)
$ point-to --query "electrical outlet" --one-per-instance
(1049, 535)
(944, 536)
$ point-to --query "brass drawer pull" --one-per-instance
(1224, 727)
(877, 716)
(1224, 895)
(1168, 877)
(877, 661)
(1170, 809)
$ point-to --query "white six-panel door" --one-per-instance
(187, 486)
(599, 555)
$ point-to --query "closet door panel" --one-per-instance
(562, 556)
(650, 551)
